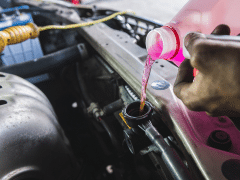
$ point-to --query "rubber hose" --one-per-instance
(45, 64)
(116, 143)
(114, 106)
(82, 86)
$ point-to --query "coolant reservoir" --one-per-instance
(197, 15)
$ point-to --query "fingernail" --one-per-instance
(221, 29)
(190, 37)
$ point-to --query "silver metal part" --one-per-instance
(151, 148)
(95, 110)
(83, 51)
(33, 145)
(128, 142)
(131, 93)
(160, 85)
(169, 156)
(127, 99)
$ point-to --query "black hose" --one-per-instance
(82, 86)
(108, 109)
(111, 108)
(45, 64)
(116, 143)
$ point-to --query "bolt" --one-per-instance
(220, 140)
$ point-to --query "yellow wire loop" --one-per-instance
(18, 34)
(71, 26)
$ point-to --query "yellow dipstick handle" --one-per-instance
(17, 34)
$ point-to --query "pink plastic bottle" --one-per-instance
(197, 15)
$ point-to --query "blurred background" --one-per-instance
(159, 10)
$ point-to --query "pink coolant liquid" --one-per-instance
(146, 72)
(154, 53)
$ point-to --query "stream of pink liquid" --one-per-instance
(154, 53)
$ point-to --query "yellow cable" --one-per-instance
(71, 26)
(124, 120)
(18, 34)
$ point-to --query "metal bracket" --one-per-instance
(83, 50)
(95, 110)
(151, 148)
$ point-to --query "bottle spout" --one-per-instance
(163, 43)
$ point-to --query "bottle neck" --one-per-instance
(174, 31)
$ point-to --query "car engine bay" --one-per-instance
(62, 106)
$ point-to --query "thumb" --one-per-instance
(184, 78)
(190, 40)
(192, 37)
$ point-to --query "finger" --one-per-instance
(221, 29)
(209, 114)
(184, 78)
(217, 114)
(191, 39)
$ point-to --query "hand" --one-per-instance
(216, 88)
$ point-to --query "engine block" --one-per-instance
(33, 145)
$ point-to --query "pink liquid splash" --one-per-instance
(154, 53)
(146, 72)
